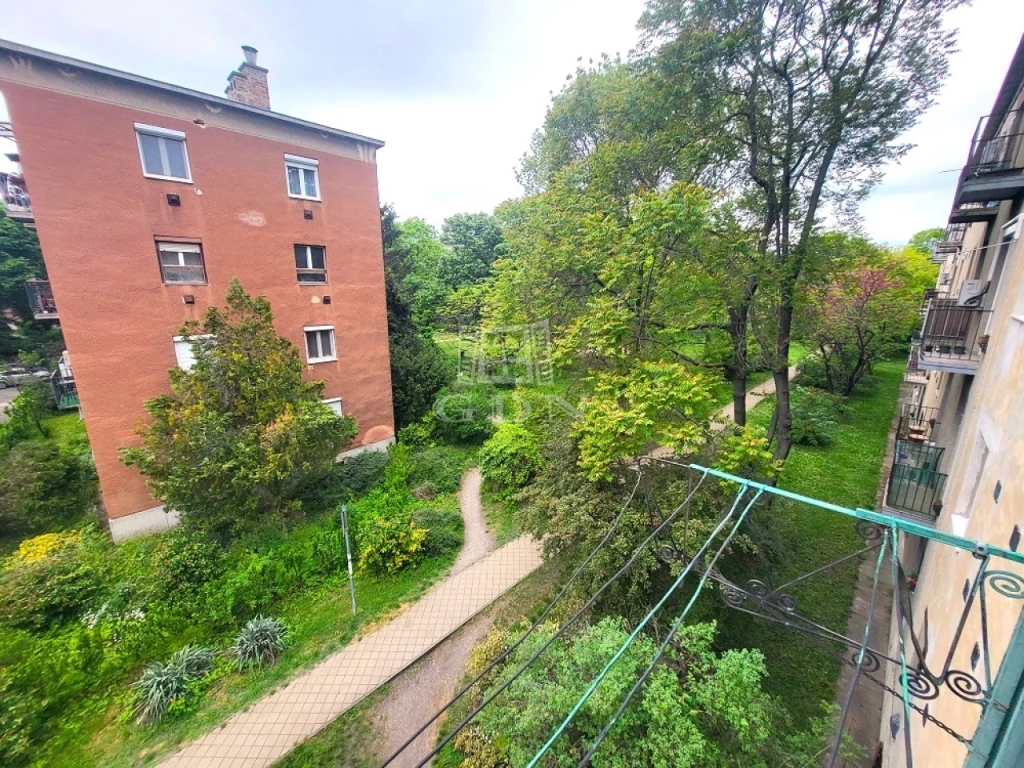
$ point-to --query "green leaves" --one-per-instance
(653, 404)
(242, 433)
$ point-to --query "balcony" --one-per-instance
(18, 207)
(915, 483)
(915, 374)
(40, 299)
(953, 338)
(969, 213)
(951, 242)
(995, 170)
(62, 382)
(917, 423)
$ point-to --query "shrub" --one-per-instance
(462, 416)
(47, 583)
(387, 538)
(510, 458)
(347, 480)
(188, 560)
(444, 530)
(259, 643)
(441, 467)
(815, 416)
(43, 485)
(162, 684)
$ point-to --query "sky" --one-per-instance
(456, 88)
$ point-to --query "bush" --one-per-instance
(444, 530)
(162, 684)
(347, 480)
(441, 467)
(47, 583)
(188, 560)
(259, 643)
(462, 416)
(386, 537)
(510, 458)
(43, 485)
(815, 416)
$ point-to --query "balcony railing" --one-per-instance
(1000, 153)
(917, 423)
(65, 391)
(953, 336)
(916, 483)
(40, 299)
(915, 374)
(951, 242)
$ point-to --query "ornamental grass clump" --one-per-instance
(162, 684)
(259, 643)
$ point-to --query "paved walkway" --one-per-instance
(276, 723)
(754, 396)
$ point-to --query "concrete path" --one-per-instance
(477, 540)
(276, 723)
(756, 394)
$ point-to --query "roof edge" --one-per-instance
(67, 61)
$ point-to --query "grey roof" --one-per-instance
(67, 61)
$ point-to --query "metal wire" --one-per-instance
(562, 630)
(848, 702)
(665, 643)
(675, 585)
(465, 689)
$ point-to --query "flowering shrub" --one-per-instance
(40, 547)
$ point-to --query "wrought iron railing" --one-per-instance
(917, 422)
(1000, 153)
(40, 299)
(952, 331)
(915, 482)
(65, 391)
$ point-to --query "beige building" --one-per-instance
(960, 461)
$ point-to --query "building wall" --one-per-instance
(99, 217)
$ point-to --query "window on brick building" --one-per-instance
(334, 403)
(163, 153)
(310, 263)
(302, 176)
(320, 344)
(181, 263)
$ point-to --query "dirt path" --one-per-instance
(429, 684)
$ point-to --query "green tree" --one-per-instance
(25, 414)
(418, 367)
(806, 101)
(698, 709)
(241, 434)
(43, 486)
(474, 242)
(924, 242)
(20, 260)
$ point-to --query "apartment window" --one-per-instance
(320, 344)
(181, 263)
(334, 403)
(184, 350)
(163, 153)
(303, 177)
(311, 263)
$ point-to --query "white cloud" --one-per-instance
(457, 90)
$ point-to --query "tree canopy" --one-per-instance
(241, 433)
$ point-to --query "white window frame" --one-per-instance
(164, 133)
(180, 248)
(330, 401)
(321, 358)
(309, 269)
(185, 344)
(302, 164)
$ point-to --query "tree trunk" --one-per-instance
(737, 368)
(780, 372)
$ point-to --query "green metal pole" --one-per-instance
(886, 521)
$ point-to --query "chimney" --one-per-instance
(248, 84)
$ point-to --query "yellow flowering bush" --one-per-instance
(40, 547)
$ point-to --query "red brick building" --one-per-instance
(150, 198)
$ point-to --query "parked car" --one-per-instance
(12, 377)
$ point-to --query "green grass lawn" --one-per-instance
(321, 623)
(847, 472)
(64, 427)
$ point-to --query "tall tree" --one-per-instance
(474, 242)
(241, 434)
(809, 97)
(418, 367)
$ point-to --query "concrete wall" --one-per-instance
(991, 422)
(99, 217)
